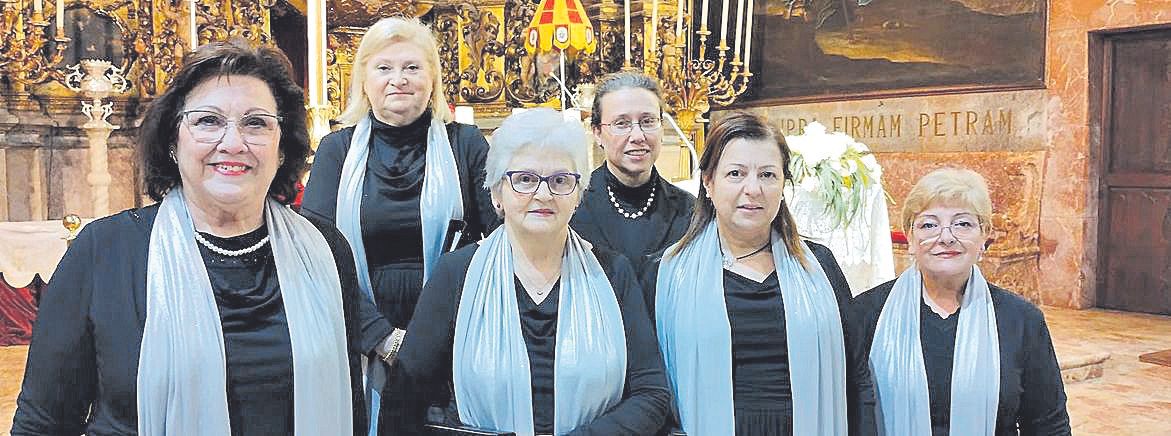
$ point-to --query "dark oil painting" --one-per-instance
(818, 50)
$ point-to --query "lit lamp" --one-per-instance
(560, 25)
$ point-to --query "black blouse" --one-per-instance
(256, 335)
(1032, 395)
(424, 362)
(82, 367)
(392, 231)
(761, 384)
(761, 391)
(665, 221)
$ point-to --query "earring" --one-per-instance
(173, 158)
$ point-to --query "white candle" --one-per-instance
(724, 26)
(739, 27)
(193, 38)
(465, 115)
(627, 18)
(703, 21)
(60, 18)
(39, 7)
(679, 23)
(748, 39)
(654, 45)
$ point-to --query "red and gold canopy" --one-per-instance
(562, 25)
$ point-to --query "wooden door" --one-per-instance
(1135, 195)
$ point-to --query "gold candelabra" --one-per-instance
(24, 57)
(680, 56)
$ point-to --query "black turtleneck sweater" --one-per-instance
(392, 230)
(599, 221)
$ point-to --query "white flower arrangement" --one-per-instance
(837, 169)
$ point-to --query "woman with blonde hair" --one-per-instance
(951, 353)
(402, 181)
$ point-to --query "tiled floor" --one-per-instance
(1131, 398)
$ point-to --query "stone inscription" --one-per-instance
(998, 122)
(989, 121)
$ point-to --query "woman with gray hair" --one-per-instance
(402, 180)
(539, 331)
(951, 353)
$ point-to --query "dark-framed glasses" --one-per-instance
(962, 228)
(527, 182)
(210, 127)
(624, 126)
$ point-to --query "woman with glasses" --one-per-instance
(402, 181)
(539, 331)
(629, 207)
(217, 310)
(952, 354)
(751, 318)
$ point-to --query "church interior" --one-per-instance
(1064, 106)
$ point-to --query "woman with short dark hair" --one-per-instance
(218, 310)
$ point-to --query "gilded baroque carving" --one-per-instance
(339, 61)
(521, 71)
(447, 26)
(481, 30)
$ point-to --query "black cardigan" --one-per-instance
(89, 329)
(1032, 395)
(424, 362)
(470, 150)
(860, 395)
(596, 217)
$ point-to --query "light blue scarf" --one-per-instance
(896, 360)
(440, 202)
(696, 339)
(182, 375)
(493, 382)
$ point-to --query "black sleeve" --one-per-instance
(424, 360)
(646, 398)
(368, 327)
(860, 396)
(60, 377)
(320, 196)
(1043, 410)
(480, 215)
(648, 276)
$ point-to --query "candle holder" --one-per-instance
(23, 55)
(96, 79)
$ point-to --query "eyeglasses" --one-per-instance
(527, 182)
(210, 127)
(930, 230)
(624, 126)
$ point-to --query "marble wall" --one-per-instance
(1053, 124)
(44, 160)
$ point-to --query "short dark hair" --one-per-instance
(619, 81)
(159, 132)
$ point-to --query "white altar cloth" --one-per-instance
(28, 248)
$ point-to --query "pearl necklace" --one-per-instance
(631, 215)
(230, 253)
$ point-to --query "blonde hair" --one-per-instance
(382, 34)
(953, 186)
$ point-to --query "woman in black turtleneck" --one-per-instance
(400, 105)
(629, 207)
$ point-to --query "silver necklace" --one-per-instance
(230, 253)
(631, 215)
